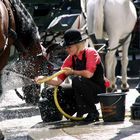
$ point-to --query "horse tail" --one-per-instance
(95, 17)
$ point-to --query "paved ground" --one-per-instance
(126, 130)
(23, 122)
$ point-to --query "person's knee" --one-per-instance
(76, 81)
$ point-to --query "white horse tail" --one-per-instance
(95, 17)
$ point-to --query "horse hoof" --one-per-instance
(113, 88)
(125, 90)
(124, 87)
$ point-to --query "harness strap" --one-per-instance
(9, 13)
(11, 33)
(104, 45)
(121, 43)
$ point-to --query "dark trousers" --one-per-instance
(81, 97)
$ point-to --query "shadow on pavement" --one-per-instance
(56, 124)
(18, 111)
(128, 132)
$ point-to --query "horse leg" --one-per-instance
(110, 65)
(124, 64)
(0, 86)
(3, 61)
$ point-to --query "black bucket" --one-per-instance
(112, 106)
(47, 107)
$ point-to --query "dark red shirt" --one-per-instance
(92, 59)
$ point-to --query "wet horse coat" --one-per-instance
(117, 18)
(18, 28)
(5, 22)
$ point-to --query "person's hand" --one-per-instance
(38, 79)
(68, 71)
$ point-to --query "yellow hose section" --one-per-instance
(47, 78)
(61, 110)
(44, 79)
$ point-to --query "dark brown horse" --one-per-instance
(5, 22)
(17, 29)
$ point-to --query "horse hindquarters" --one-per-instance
(125, 59)
(95, 17)
(117, 30)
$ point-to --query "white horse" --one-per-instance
(117, 18)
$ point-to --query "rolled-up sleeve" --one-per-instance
(67, 63)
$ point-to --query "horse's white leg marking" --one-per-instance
(124, 63)
(111, 61)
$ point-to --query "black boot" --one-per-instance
(79, 114)
(92, 117)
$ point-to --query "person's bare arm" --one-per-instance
(83, 73)
(54, 82)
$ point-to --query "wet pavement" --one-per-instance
(19, 121)
(125, 130)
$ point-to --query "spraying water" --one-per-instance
(13, 75)
(12, 80)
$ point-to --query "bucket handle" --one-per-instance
(116, 101)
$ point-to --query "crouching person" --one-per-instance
(84, 65)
